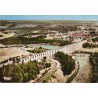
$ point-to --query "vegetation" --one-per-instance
(20, 72)
(3, 23)
(94, 61)
(37, 50)
(49, 77)
(62, 43)
(86, 52)
(21, 40)
(47, 65)
(89, 45)
(67, 63)
(63, 28)
(13, 59)
(1, 35)
(73, 75)
(93, 33)
(95, 39)
(36, 40)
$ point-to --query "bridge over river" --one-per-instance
(50, 53)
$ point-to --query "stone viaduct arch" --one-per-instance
(50, 53)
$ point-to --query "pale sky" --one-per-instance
(48, 17)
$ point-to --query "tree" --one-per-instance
(44, 59)
(40, 48)
(85, 45)
(26, 76)
(67, 63)
(20, 72)
(93, 33)
(47, 65)
(18, 77)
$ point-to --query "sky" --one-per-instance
(49, 17)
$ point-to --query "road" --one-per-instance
(85, 69)
(53, 69)
(60, 76)
(55, 65)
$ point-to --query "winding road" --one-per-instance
(55, 65)
(53, 69)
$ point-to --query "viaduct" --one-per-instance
(50, 53)
(68, 49)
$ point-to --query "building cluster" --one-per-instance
(73, 36)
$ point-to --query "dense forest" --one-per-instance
(67, 63)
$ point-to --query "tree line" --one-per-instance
(89, 45)
(39, 39)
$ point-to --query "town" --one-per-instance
(48, 51)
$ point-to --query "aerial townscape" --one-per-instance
(48, 51)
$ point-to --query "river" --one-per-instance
(46, 46)
(85, 69)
